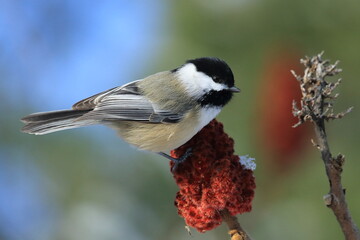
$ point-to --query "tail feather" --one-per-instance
(48, 122)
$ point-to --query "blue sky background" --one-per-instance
(56, 52)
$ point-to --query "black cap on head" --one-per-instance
(215, 68)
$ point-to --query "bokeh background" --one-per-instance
(89, 184)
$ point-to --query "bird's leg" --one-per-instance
(179, 160)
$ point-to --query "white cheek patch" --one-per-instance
(196, 83)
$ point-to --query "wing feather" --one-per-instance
(124, 103)
(91, 102)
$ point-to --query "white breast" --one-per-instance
(206, 115)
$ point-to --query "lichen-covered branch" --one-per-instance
(317, 107)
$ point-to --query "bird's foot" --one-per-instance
(179, 160)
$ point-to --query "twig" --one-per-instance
(235, 230)
(316, 107)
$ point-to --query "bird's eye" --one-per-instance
(215, 78)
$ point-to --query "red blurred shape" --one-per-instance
(282, 143)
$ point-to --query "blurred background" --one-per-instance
(89, 184)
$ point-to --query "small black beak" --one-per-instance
(234, 89)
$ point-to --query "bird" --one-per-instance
(158, 113)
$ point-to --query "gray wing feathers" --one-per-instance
(131, 108)
(125, 103)
(120, 103)
(90, 102)
(93, 101)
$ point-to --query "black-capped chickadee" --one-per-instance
(158, 113)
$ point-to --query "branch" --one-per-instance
(316, 107)
(235, 230)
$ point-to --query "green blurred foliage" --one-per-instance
(131, 193)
